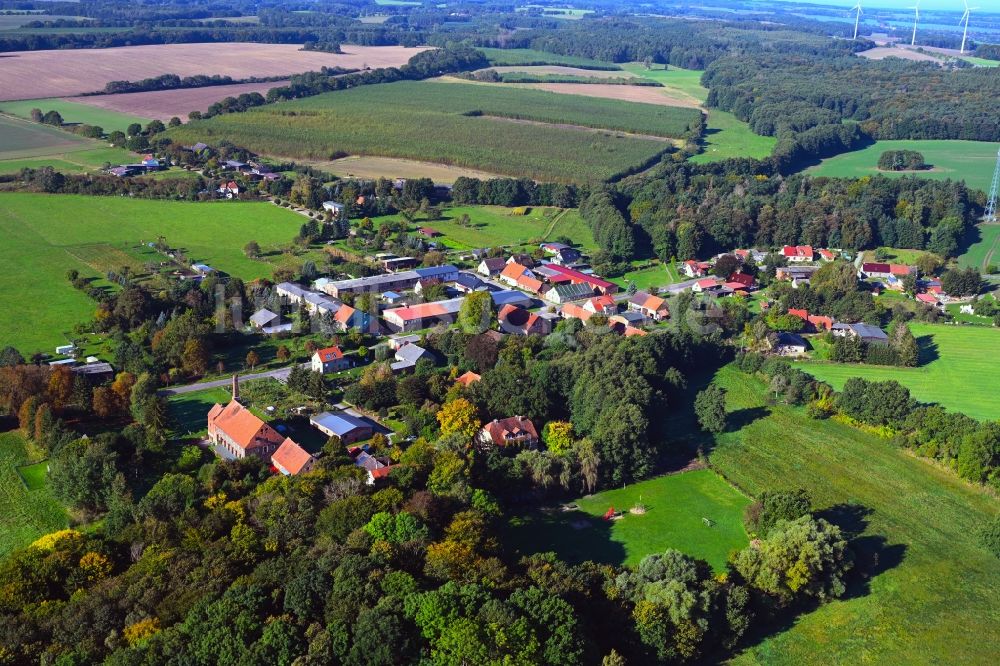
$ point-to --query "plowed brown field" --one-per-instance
(61, 73)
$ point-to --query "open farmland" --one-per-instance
(46, 235)
(971, 161)
(164, 104)
(25, 514)
(625, 93)
(360, 166)
(22, 138)
(676, 507)
(985, 250)
(458, 124)
(935, 586)
(882, 52)
(35, 74)
(954, 369)
(725, 135)
(77, 111)
(561, 70)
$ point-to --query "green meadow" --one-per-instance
(73, 112)
(655, 275)
(46, 235)
(676, 509)
(517, 132)
(27, 508)
(26, 144)
(932, 599)
(725, 135)
(984, 250)
(491, 226)
(957, 369)
(971, 161)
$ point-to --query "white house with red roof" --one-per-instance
(695, 269)
(229, 189)
(652, 307)
(330, 359)
(512, 431)
(797, 253)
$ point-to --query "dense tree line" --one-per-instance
(514, 192)
(901, 160)
(788, 94)
(688, 211)
(173, 81)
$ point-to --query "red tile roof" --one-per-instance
(514, 428)
(821, 322)
(801, 314)
(797, 251)
(899, 269)
(573, 310)
(344, 314)
(577, 277)
(468, 378)
(291, 457)
(242, 426)
(518, 317)
(743, 278)
(927, 298)
(330, 354)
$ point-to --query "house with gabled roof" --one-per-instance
(422, 315)
(598, 285)
(513, 431)
(291, 459)
(652, 307)
(520, 276)
(564, 293)
(797, 253)
(491, 266)
(238, 432)
(574, 311)
(329, 359)
(468, 379)
(519, 321)
(604, 305)
(347, 427)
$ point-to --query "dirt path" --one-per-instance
(988, 259)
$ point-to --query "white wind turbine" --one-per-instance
(916, 17)
(965, 17)
(857, 18)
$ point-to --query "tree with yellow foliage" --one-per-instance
(459, 416)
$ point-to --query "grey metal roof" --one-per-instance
(262, 317)
(339, 423)
(410, 353)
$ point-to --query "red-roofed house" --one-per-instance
(239, 432)
(230, 190)
(513, 431)
(743, 278)
(827, 255)
(875, 270)
(468, 379)
(291, 459)
(574, 311)
(797, 253)
(522, 322)
(577, 277)
(705, 284)
(899, 270)
(521, 277)
(430, 233)
(649, 306)
(694, 269)
(347, 318)
(605, 305)
(928, 299)
(820, 322)
(330, 359)
(801, 314)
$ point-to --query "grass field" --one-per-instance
(675, 508)
(25, 144)
(985, 250)
(971, 161)
(504, 57)
(725, 135)
(25, 514)
(957, 369)
(657, 275)
(520, 132)
(74, 112)
(45, 235)
(188, 411)
(492, 226)
(935, 588)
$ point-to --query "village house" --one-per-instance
(795, 254)
(335, 209)
(827, 255)
(229, 189)
(517, 275)
(519, 321)
(744, 279)
(705, 285)
(291, 459)
(407, 356)
(467, 283)
(564, 293)
(604, 305)
(787, 344)
(237, 432)
(525, 260)
(347, 318)
(695, 269)
(347, 427)
(422, 315)
(574, 276)
(467, 379)
(491, 267)
(330, 359)
(512, 431)
(866, 332)
(561, 253)
(574, 311)
(649, 306)
(794, 272)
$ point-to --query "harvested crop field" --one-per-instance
(33, 74)
(563, 70)
(643, 94)
(362, 166)
(163, 104)
(883, 52)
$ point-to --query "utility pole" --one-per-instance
(991, 203)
